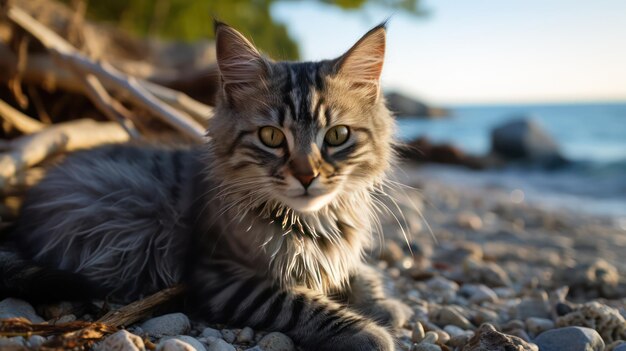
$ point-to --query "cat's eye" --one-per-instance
(337, 135)
(271, 136)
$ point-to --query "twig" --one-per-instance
(31, 149)
(140, 309)
(19, 120)
(199, 111)
(103, 101)
(117, 80)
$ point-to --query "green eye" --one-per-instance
(337, 135)
(271, 136)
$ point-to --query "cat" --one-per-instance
(266, 224)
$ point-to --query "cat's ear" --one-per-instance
(362, 65)
(242, 67)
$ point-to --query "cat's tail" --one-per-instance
(27, 280)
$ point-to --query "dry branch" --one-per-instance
(140, 309)
(19, 120)
(117, 80)
(30, 150)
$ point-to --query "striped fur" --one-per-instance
(231, 219)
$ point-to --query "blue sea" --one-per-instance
(593, 136)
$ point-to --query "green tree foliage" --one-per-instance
(192, 19)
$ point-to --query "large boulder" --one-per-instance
(404, 106)
(525, 140)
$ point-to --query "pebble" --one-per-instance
(441, 284)
(453, 330)
(121, 341)
(35, 341)
(425, 347)
(537, 326)
(246, 336)
(167, 325)
(571, 339)
(606, 320)
(620, 347)
(206, 332)
(12, 308)
(450, 315)
(175, 344)
(478, 293)
(221, 345)
(229, 335)
(276, 342)
(533, 307)
(471, 221)
(193, 342)
(487, 338)
(418, 332)
(12, 344)
(430, 338)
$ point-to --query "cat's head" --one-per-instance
(299, 134)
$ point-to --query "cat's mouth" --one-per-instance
(308, 202)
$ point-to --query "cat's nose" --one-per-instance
(305, 179)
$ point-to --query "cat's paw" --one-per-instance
(371, 338)
(390, 312)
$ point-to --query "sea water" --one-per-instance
(592, 136)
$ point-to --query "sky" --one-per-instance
(482, 51)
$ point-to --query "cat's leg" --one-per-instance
(312, 320)
(367, 296)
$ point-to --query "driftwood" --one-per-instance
(18, 120)
(124, 84)
(30, 150)
(80, 335)
(140, 309)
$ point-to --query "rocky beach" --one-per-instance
(481, 271)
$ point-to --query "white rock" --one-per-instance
(180, 343)
(167, 325)
(276, 342)
(418, 332)
(121, 341)
(187, 340)
(12, 308)
(221, 345)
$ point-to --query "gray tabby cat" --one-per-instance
(266, 224)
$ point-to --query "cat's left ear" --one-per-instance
(362, 65)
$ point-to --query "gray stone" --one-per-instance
(256, 348)
(13, 344)
(35, 341)
(533, 307)
(478, 293)
(571, 339)
(246, 335)
(620, 347)
(229, 335)
(221, 345)
(167, 325)
(441, 284)
(12, 308)
(425, 347)
(206, 332)
(276, 342)
(537, 326)
(450, 315)
(453, 330)
(121, 341)
(525, 140)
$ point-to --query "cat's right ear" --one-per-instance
(242, 67)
